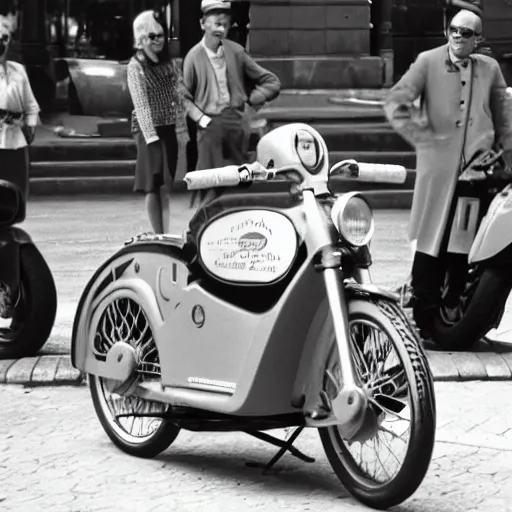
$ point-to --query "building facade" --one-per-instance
(310, 44)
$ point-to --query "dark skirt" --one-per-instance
(156, 162)
(14, 165)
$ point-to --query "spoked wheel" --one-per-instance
(389, 460)
(133, 424)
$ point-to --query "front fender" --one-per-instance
(318, 343)
(494, 233)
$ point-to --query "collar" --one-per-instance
(210, 53)
(453, 63)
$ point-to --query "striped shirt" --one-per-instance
(157, 95)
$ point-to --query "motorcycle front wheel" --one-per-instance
(31, 325)
(388, 462)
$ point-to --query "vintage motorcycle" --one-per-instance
(264, 316)
(478, 283)
(28, 298)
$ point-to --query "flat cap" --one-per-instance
(215, 5)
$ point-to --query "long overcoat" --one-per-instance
(443, 130)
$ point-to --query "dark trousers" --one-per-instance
(225, 141)
(430, 277)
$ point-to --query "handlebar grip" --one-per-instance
(228, 176)
(381, 173)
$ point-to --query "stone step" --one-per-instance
(359, 137)
(378, 199)
(82, 168)
(370, 136)
(122, 168)
(83, 149)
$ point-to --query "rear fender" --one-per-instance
(494, 233)
(125, 274)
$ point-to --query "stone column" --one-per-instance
(315, 43)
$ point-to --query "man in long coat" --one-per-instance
(462, 110)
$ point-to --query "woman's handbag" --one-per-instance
(29, 133)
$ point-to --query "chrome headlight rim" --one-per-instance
(339, 207)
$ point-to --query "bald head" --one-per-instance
(467, 19)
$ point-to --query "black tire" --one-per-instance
(390, 319)
(155, 444)
(38, 310)
(480, 313)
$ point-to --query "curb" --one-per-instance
(445, 366)
(40, 371)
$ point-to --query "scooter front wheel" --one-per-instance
(31, 325)
(389, 459)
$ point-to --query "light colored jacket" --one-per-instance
(248, 82)
(442, 132)
(16, 96)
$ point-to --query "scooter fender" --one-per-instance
(133, 272)
(319, 345)
(494, 233)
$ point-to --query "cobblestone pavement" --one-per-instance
(54, 456)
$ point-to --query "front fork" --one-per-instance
(10, 274)
(350, 404)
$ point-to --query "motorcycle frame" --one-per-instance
(263, 365)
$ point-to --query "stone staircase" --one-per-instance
(100, 164)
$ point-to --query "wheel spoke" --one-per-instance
(383, 376)
(123, 320)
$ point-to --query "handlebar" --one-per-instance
(233, 175)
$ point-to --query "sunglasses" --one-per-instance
(465, 33)
(154, 37)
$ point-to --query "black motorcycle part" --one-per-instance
(35, 315)
(480, 314)
(9, 272)
(12, 205)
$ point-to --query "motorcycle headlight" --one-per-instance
(353, 218)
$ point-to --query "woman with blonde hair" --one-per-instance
(158, 120)
(18, 114)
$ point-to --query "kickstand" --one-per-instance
(285, 446)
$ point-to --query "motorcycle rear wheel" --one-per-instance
(145, 447)
(30, 329)
(124, 417)
(403, 363)
(480, 314)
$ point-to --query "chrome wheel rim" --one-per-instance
(129, 416)
(380, 371)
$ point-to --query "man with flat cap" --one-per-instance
(462, 110)
(223, 84)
